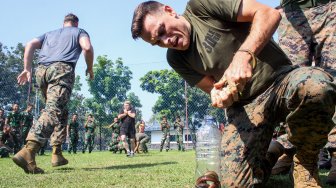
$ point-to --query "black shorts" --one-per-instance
(128, 130)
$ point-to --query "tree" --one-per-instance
(11, 65)
(109, 90)
(171, 101)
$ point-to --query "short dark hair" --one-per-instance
(140, 14)
(74, 114)
(71, 18)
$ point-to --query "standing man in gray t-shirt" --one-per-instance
(55, 75)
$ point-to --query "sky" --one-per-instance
(108, 23)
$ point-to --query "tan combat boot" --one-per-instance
(25, 158)
(331, 179)
(57, 158)
(305, 171)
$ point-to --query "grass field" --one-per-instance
(104, 169)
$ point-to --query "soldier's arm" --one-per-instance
(68, 129)
(88, 53)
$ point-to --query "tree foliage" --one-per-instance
(109, 89)
(171, 101)
(11, 65)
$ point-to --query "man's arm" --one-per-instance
(88, 53)
(131, 114)
(206, 84)
(264, 21)
(30, 48)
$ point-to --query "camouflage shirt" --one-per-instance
(90, 127)
(178, 125)
(14, 119)
(116, 128)
(165, 127)
(27, 119)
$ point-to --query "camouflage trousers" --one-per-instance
(56, 83)
(73, 142)
(114, 142)
(16, 137)
(165, 139)
(179, 140)
(308, 36)
(89, 141)
(303, 98)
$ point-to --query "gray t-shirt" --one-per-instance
(61, 45)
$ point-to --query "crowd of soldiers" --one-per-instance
(14, 129)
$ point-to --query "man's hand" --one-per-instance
(221, 98)
(24, 77)
(90, 73)
(238, 73)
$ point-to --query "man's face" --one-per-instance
(74, 118)
(15, 107)
(127, 106)
(115, 119)
(167, 30)
(1, 113)
(29, 108)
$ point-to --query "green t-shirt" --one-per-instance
(27, 119)
(14, 119)
(215, 37)
(74, 127)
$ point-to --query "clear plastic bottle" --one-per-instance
(208, 142)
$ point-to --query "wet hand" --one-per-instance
(90, 73)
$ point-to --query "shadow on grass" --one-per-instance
(141, 165)
(65, 169)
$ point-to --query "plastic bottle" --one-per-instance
(208, 141)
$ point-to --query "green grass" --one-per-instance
(104, 169)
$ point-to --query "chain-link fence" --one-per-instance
(106, 94)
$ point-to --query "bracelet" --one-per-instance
(254, 62)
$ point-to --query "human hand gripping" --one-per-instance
(24, 77)
(226, 91)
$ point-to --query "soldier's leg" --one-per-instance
(310, 98)
(75, 145)
(168, 142)
(16, 141)
(71, 144)
(244, 144)
(52, 122)
(143, 144)
(85, 142)
(163, 139)
(91, 143)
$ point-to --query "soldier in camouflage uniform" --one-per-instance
(72, 133)
(225, 49)
(90, 127)
(165, 128)
(14, 120)
(307, 36)
(5, 139)
(27, 122)
(141, 138)
(115, 135)
(179, 126)
(2, 121)
(55, 76)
